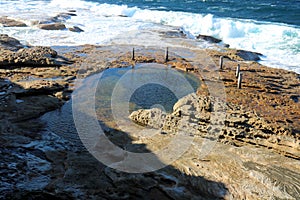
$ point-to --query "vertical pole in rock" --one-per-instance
(237, 71)
(167, 55)
(221, 62)
(240, 78)
(132, 54)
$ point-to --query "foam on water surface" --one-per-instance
(106, 23)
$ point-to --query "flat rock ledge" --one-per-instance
(33, 81)
(209, 117)
(14, 54)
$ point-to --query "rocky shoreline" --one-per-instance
(256, 156)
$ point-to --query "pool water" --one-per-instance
(143, 86)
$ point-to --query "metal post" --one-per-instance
(240, 79)
(132, 54)
(221, 62)
(167, 54)
(237, 71)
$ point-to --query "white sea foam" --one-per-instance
(102, 24)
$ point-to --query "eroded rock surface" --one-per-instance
(33, 56)
(203, 117)
(208, 117)
(24, 92)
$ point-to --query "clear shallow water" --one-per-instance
(162, 90)
(268, 26)
(147, 94)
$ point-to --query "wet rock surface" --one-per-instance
(256, 154)
(76, 29)
(209, 38)
(7, 22)
(242, 55)
(9, 43)
(53, 26)
(58, 22)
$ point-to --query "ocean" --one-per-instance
(270, 27)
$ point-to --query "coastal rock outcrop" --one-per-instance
(199, 115)
(248, 55)
(27, 91)
(7, 22)
(52, 26)
(76, 29)
(208, 38)
(13, 53)
(34, 56)
(62, 17)
(9, 43)
(24, 91)
(57, 22)
(242, 55)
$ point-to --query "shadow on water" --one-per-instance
(108, 183)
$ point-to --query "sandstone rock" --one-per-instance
(6, 22)
(34, 56)
(199, 114)
(244, 55)
(76, 29)
(209, 38)
(248, 55)
(62, 17)
(40, 87)
(55, 26)
(55, 22)
(175, 34)
(9, 43)
(38, 51)
(237, 55)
